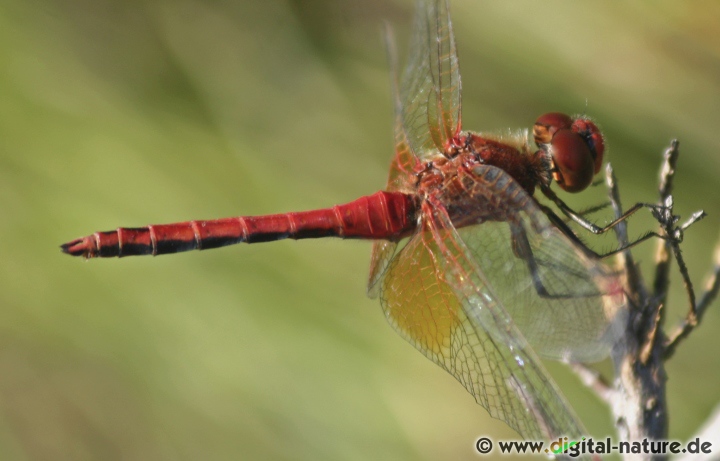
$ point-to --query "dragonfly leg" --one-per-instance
(523, 250)
(563, 227)
(573, 215)
(593, 209)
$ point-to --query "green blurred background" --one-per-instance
(135, 112)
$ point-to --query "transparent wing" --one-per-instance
(400, 179)
(382, 253)
(427, 107)
(430, 90)
(482, 300)
(402, 169)
(568, 305)
(401, 176)
(433, 299)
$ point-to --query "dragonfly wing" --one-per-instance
(402, 169)
(427, 109)
(568, 305)
(431, 297)
(401, 178)
(402, 173)
(382, 253)
(431, 81)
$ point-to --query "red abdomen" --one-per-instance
(383, 215)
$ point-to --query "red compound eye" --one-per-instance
(576, 146)
(547, 124)
(593, 137)
(574, 163)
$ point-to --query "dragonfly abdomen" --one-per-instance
(383, 215)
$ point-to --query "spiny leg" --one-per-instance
(575, 216)
(565, 229)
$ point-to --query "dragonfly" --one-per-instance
(468, 265)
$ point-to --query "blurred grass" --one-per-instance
(128, 113)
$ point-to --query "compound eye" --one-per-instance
(593, 138)
(548, 124)
(574, 163)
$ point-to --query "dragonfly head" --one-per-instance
(575, 146)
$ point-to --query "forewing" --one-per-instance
(427, 107)
(401, 176)
(430, 90)
(402, 169)
(399, 179)
(432, 297)
(568, 305)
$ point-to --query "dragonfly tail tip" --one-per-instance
(77, 247)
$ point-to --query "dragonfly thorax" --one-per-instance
(510, 153)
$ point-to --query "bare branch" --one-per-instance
(674, 236)
(651, 336)
(634, 278)
(712, 287)
(594, 380)
(667, 173)
(662, 253)
(638, 397)
(712, 283)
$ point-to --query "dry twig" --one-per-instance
(637, 396)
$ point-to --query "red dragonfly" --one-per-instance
(468, 266)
